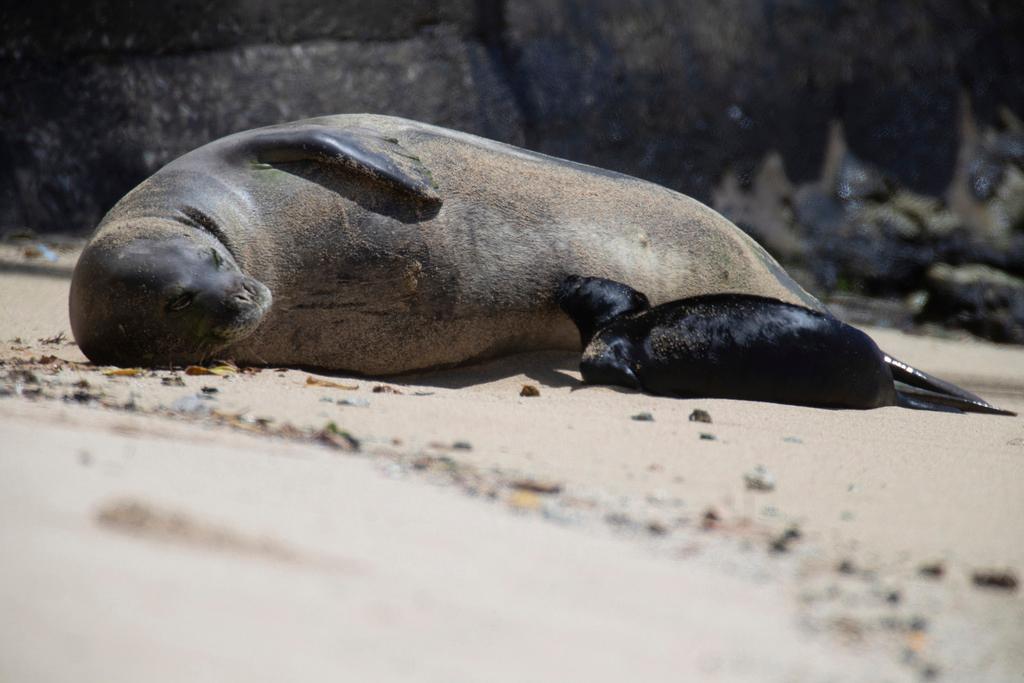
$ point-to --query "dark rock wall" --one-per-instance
(98, 94)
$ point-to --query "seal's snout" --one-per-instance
(607, 362)
(249, 292)
(234, 306)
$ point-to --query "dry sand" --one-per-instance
(156, 532)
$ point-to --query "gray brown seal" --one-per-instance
(743, 346)
(379, 245)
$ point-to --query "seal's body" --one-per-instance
(387, 245)
(742, 346)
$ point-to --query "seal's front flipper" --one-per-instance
(923, 399)
(907, 374)
(363, 152)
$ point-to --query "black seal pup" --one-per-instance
(378, 245)
(743, 346)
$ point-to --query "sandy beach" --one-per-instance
(280, 524)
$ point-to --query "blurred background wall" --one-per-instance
(861, 140)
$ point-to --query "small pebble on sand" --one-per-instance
(932, 570)
(1003, 579)
(759, 479)
(699, 415)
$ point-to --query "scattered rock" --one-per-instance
(457, 445)
(432, 462)
(781, 543)
(529, 390)
(759, 479)
(792, 439)
(536, 486)
(356, 402)
(81, 396)
(933, 570)
(918, 624)
(858, 181)
(705, 436)
(978, 298)
(993, 161)
(173, 381)
(846, 567)
(209, 390)
(385, 389)
(642, 417)
(656, 528)
(1003, 579)
(710, 519)
(699, 415)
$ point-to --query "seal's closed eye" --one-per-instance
(181, 302)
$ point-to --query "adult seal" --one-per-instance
(743, 346)
(378, 245)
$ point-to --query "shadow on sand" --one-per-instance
(547, 368)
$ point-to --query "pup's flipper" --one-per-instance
(937, 388)
(923, 399)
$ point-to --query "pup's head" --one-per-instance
(593, 302)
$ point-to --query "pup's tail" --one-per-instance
(919, 390)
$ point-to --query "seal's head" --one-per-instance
(161, 301)
(593, 302)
